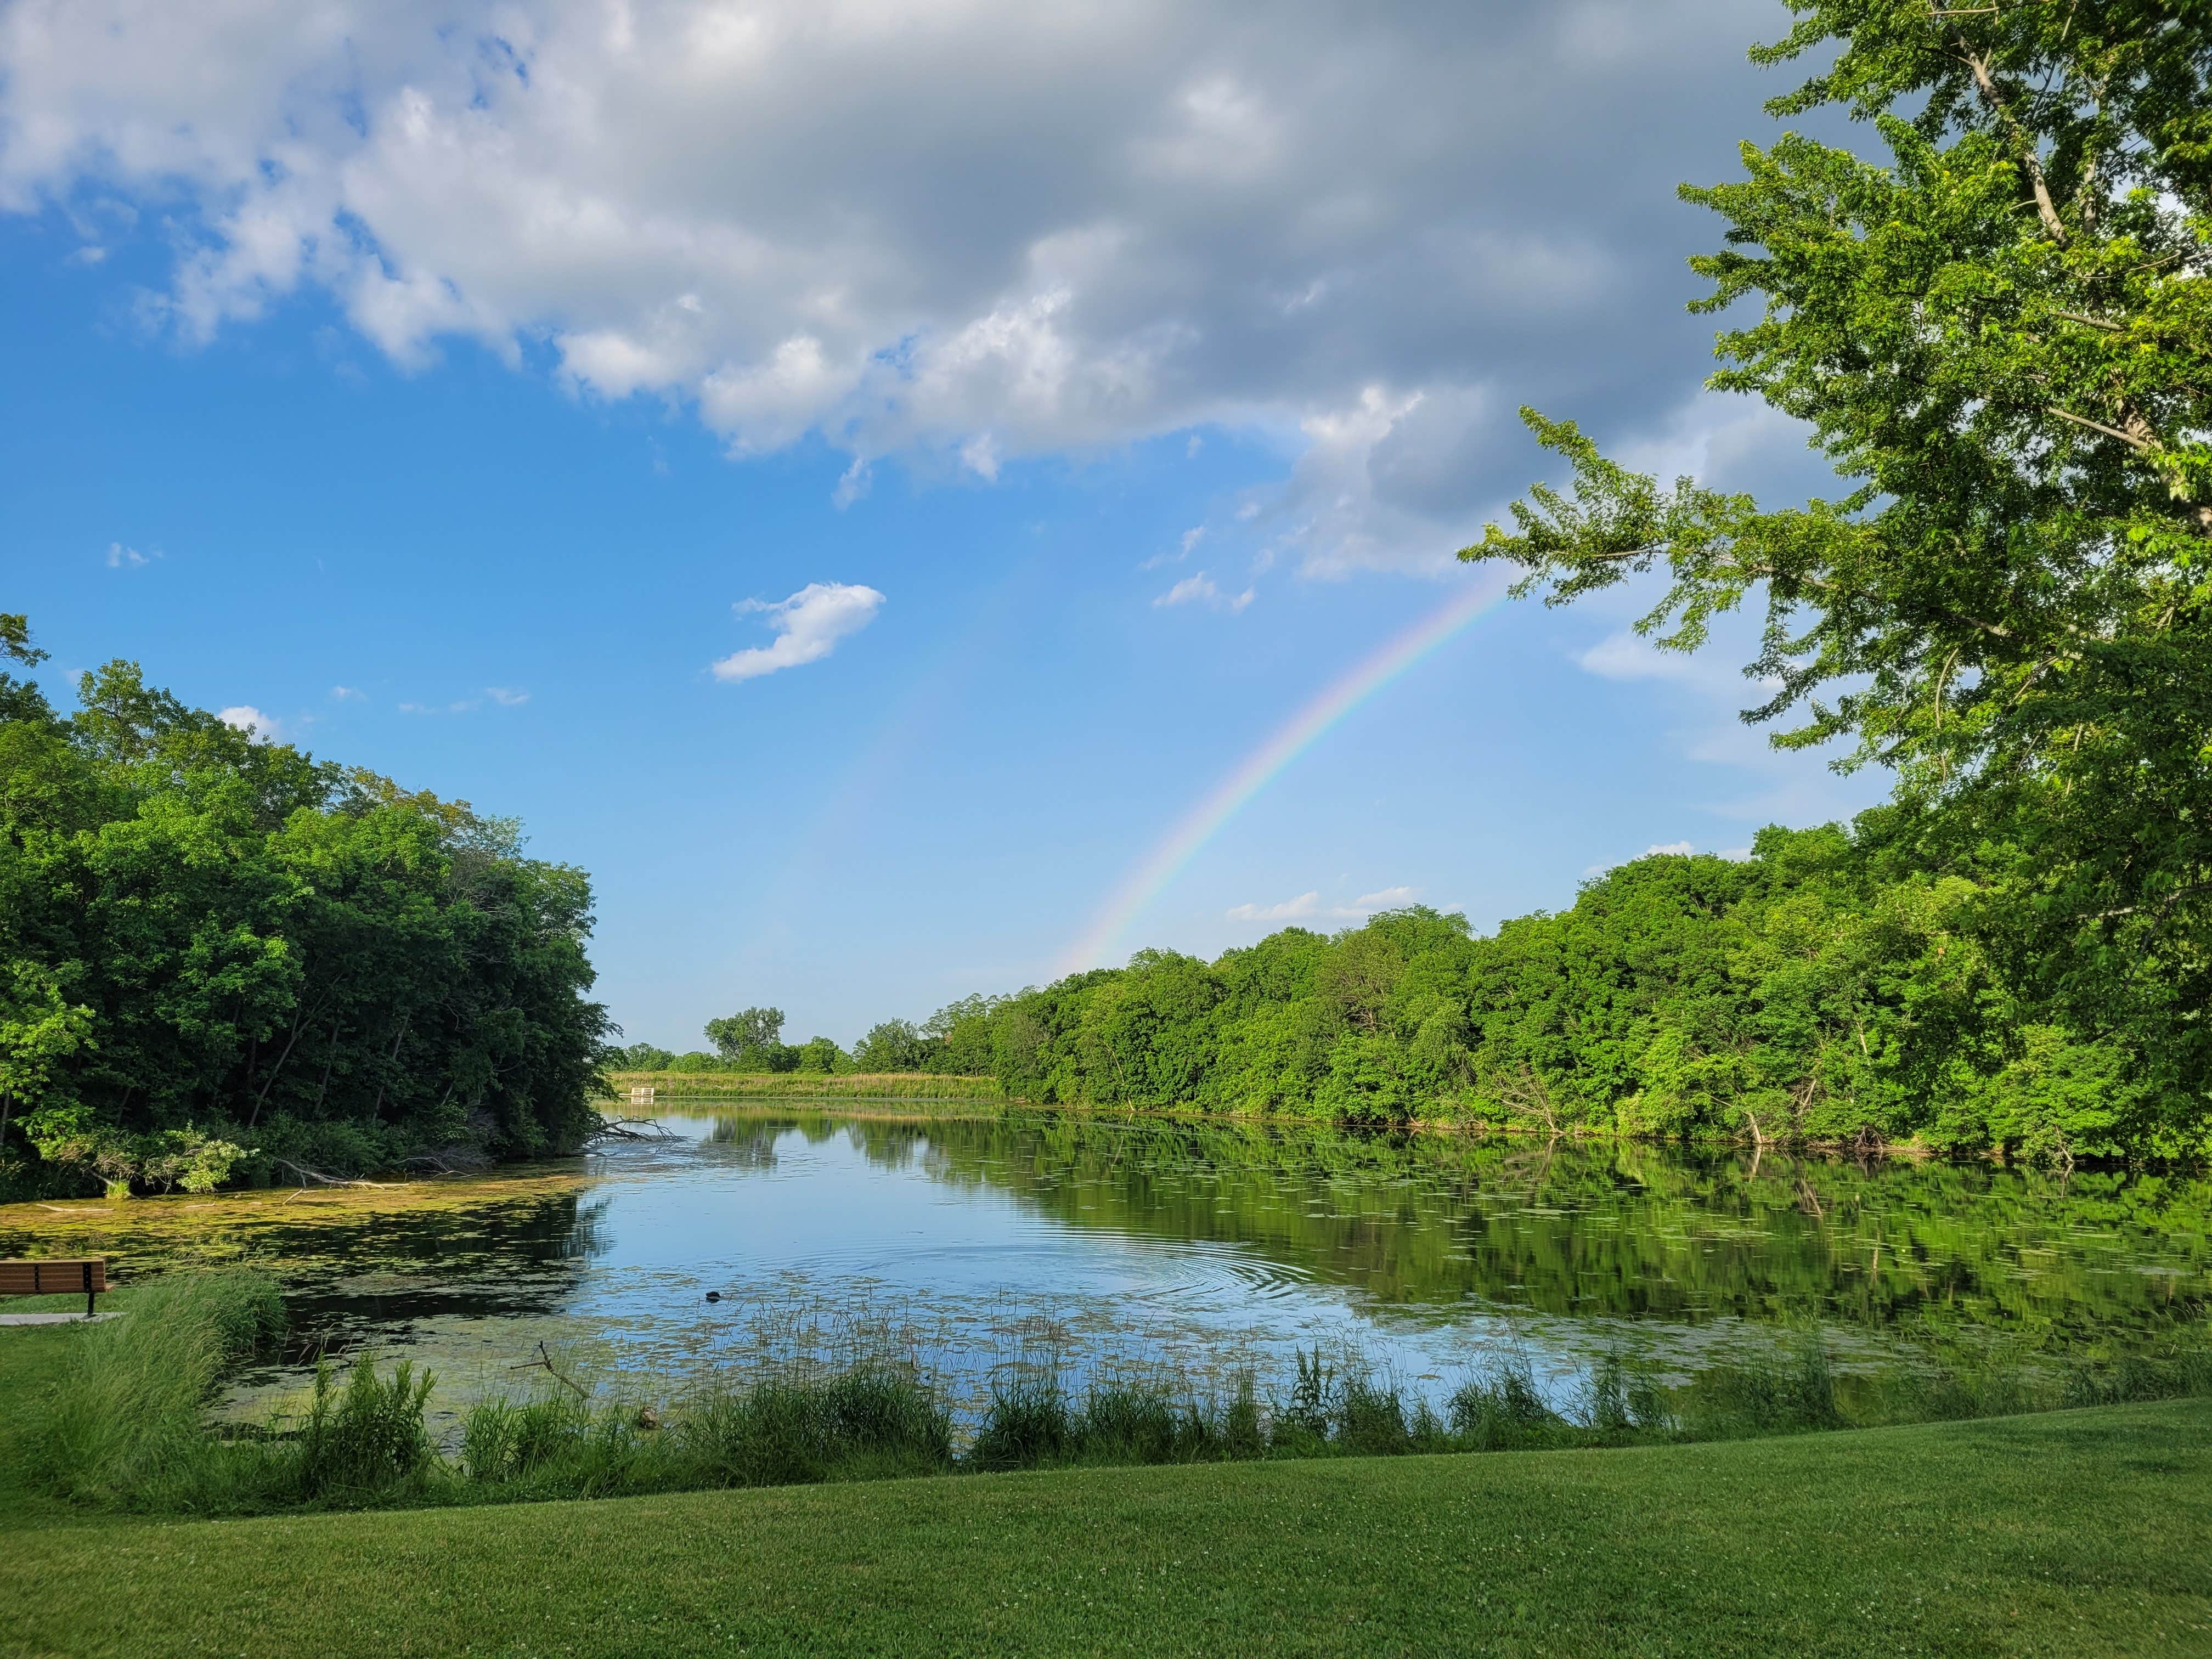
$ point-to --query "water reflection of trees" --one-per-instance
(1610, 1230)
(525, 1256)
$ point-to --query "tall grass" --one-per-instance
(127, 1427)
(127, 1422)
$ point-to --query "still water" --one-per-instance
(977, 1244)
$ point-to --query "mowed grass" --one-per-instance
(2076, 1532)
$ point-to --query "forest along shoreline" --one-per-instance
(681, 1092)
(1823, 991)
(343, 978)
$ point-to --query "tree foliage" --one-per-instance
(1996, 325)
(1821, 991)
(217, 953)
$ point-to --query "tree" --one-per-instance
(892, 1045)
(2000, 333)
(215, 952)
(40, 1028)
(821, 1054)
(747, 1037)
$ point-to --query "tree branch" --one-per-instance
(2046, 208)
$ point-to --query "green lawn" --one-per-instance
(2078, 1533)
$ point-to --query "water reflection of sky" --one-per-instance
(977, 1245)
(974, 1244)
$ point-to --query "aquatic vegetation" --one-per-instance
(125, 1426)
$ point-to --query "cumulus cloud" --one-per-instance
(1201, 590)
(262, 728)
(1679, 849)
(347, 694)
(507, 697)
(807, 625)
(120, 557)
(1305, 904)
(963, 233)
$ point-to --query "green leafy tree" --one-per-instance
(1996, 325)
(821, 1055)
(217, 953)
(748, 1038)
(893, 1045)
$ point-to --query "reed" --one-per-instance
(125, 1427)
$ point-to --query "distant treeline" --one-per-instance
(1819, 991)
(747, 1043)
(724, 1083)
(221, 959)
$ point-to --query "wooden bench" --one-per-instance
(56, 1276)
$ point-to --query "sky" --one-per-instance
(914, 498)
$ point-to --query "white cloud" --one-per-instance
(853, 484)
(1715, 670)
(808, 626)
(1390, 898)
(1308, 904)
(1708, 692)
(262, 728)
(1671, 849)
(120, 557)
(347, 694)
(1305, 904)
(1201, 590)
(507, 697)
(1190, 540)
(962, 234)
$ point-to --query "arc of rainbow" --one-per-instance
(1265, 763)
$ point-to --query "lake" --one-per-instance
(749, 1236)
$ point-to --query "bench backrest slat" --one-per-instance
(54, 1276)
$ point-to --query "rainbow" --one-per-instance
(1264, 764)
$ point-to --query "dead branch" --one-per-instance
(629, 1128)
(317, 1178)
(1807, 1197)
(545, 1361)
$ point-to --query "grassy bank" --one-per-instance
(121, 1425)
(813, 1085)
(2078, 1534)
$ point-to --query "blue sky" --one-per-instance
(428, 490)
